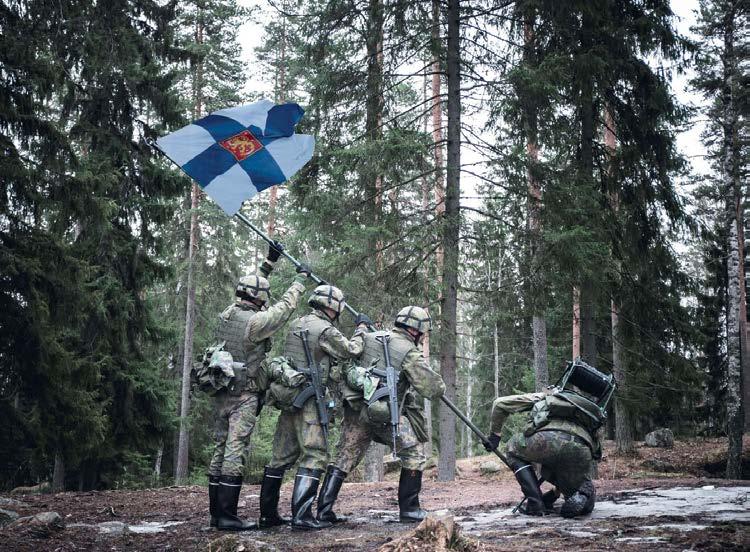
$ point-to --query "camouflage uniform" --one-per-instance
(565, 450)
(358, 429)
(247, 332)
(370, 420)
(298, 434)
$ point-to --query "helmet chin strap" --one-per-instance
(416, 336)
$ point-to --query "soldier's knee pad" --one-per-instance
(581, 502)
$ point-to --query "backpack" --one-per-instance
(215, 369)
(570, 406)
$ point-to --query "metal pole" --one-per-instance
(474, 428)
(247, 222)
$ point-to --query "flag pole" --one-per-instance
(247, 222)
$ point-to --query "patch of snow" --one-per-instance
(675, 526)
(639, 540)
(712, 505)
(583, 534)
(153, 526)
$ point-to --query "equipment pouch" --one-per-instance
(282, 397)
(239, 382)
(351, 396)
(378, 412)
(283, 382)
(214, 369)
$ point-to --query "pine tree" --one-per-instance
(724, 24)
(87, 394)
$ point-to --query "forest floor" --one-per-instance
(656, 499)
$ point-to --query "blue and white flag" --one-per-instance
(236, 152)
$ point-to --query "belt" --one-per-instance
(565, 436)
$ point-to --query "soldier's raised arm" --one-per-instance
(267, 322)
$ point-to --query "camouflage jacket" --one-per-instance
(330, 348)
(269, 321)
(502, 407)
(415, 371)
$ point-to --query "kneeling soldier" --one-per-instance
(371, 396)
(312, 344)
(246, 328)
(561, 435)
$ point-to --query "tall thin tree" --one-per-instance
(450, 240)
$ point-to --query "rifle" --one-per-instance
(315, 388)
(391, 380)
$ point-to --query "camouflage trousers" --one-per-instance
(566, 463)
(234, 422)
(356, 436)
(299, 436)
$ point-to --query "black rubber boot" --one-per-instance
(534, 504)
(328, 494)
(409, 485)
(269, 499)
(213, 501)
(227, 497)
(549, 498)
(305, 488)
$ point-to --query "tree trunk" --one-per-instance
(586, 174)
(623, 419)
(280, 88)
(437, 126)
(451, 232)
(157, 461)
(181, 470)
(576, 322)
(58, 473)
(495, 333)
(744, 356)
(539, 331)
(427, 402)
(374, 470)
(469, 391)
(427, 190)
(735, 218)
(496, 357)
(534, 202)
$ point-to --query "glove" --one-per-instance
(274, 251)
(494, 442)
(362, 319)
(304, 269)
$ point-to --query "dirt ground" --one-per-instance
(649, 501)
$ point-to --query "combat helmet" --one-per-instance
(327, 296)
(253, 287)
(414, 317)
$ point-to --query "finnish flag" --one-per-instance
(235, 153)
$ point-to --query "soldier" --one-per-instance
(246, 327)
(365, 420)
(561, 435)
(299, 435)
